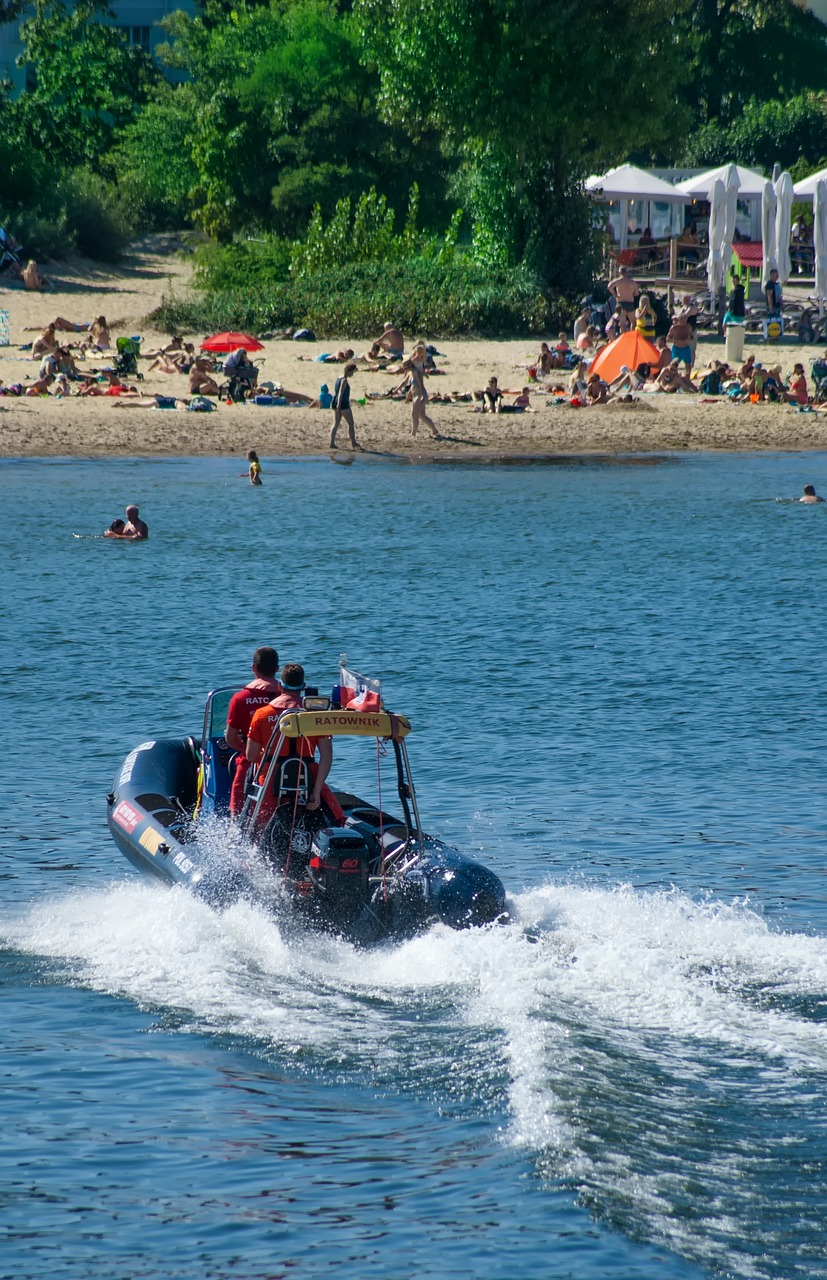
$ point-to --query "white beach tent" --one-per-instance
(629, 183)
(750, 183)
(806, 188)
(820, 241)
(750, 187)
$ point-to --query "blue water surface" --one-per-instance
(615, 673)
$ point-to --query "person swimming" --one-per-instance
(810, 495)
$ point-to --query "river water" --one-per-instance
(615, 673)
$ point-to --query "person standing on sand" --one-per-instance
(342, 409)
(624, 289)
(680, 336)
(419, 394)
(135, 530)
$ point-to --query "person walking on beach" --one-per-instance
(342, 409)
(419, 394)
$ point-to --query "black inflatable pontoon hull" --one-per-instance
(150, 817)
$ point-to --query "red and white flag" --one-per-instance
(359, 693)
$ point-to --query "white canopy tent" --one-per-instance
(750, 183)
(750, 187)
(806, 189)
(820, 241)
(630, 186)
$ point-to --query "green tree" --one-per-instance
(287, 119)
(791, 132)
(522, 90)
(153, 158)
(750, 50)
(87, 80)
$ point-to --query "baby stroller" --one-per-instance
(818, 369)
(126, 361)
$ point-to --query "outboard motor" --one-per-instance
(338, 870)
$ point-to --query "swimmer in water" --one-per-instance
(810, 494)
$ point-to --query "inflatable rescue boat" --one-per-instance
(369, 877)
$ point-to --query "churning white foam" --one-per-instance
(654, 972)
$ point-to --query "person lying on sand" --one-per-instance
(175, 344)
(136, 401)
(176, 362)
(292, 397)
(340, 357)
(91, 387)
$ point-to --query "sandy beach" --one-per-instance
(48, 426)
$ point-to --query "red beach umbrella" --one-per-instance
(629, 349)
(231, 342)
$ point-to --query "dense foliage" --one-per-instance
(439, 145)
(421, 295)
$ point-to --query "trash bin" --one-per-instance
(734, 342)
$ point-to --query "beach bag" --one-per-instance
(711, 384)
(200, 404)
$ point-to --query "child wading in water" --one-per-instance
(254, 470)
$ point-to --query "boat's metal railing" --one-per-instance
(398, 859)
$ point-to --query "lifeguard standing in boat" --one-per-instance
(243, 706)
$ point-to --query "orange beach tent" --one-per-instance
(629, 349)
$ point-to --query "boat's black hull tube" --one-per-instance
(333, 875)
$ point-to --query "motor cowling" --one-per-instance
(338, 867)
